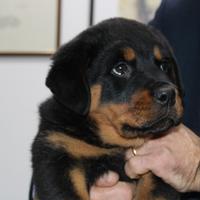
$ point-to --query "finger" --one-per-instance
(129, 154)
(145, 149)
(137, 166)
(108, 179)
(120, 191)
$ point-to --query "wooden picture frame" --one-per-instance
(29, 27)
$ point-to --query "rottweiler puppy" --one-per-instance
(115, 86)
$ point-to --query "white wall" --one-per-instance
(21, 90)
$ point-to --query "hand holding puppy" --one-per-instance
(174, 157)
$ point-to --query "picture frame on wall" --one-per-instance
(29, 27)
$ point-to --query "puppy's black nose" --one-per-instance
(165, 96)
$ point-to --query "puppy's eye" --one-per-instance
(165, 66)
(122, 70)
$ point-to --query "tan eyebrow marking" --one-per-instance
(129, 54)
(157, 53)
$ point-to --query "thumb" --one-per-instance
(108, 179)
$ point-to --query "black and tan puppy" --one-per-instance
(114, 86)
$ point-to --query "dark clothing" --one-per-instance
(179, 21)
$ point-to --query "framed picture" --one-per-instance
(29, 27)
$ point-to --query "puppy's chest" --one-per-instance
(101, 165)
(93, 159)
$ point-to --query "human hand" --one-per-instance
(109, 187)
(174, 157)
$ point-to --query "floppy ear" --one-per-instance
(67, 77)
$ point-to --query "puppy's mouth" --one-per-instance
(153, 129)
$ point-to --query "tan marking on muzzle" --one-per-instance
(140, 110)
(109, 131)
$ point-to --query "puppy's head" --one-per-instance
(120, 73)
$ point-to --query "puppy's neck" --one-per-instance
(109, 134)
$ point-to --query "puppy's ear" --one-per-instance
(67, 77)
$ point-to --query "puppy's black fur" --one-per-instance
(114, 86)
